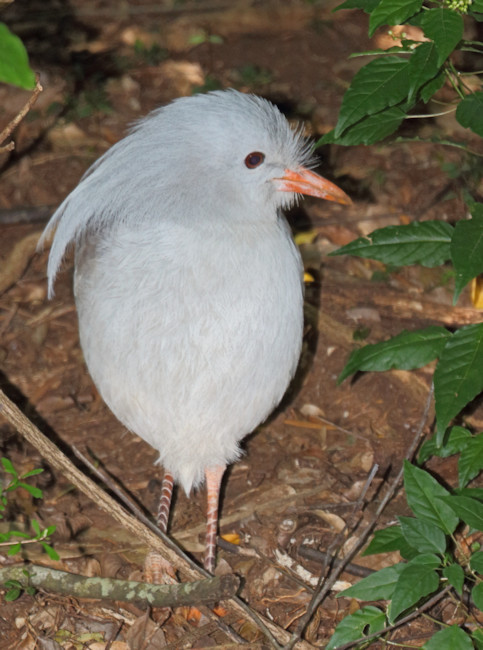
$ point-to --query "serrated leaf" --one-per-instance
(476, 562)
(388, 540)
(470, 462)
(467, 509)
(368, 130)
(477, 595)
(379, 84)
(378, 585)
(469, 112)
(423, 66)
(421, 493)
(455, 575)
(365, 621)
(366, 5)
(467, 248)
(417, 580)
(14, 63)
(425, 242)
(451, 638)
(423, 535)
(445, 28)
(458, 377)
(405, 351)
(392, 12)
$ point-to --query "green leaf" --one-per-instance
(378, 585)
(14, 63)
(367, 620)
(458, 377)
(15, 548)
(417, 579)
(467, 248)
(445, 28)
(366, 5)
(470, 463)
(368, 130)
(477, 636)
(469, 112)
(35, 525)
(455, 575)
(431, 87)
(7, 463)
(53, 555)
(405, 351)
(467, 509)
(392, 12)
(388, 540)
(421, 493)
(12, 594)
(379, 84)
(477, 595)
(423, 535)
(425, 242)
(476, 562)
(31, 489)
(33, 472)
(423, 66)
(451, 638)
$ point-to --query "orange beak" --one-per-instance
(304, 181)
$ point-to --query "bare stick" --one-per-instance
(70, 584)
(7, 131)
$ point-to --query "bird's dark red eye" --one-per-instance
(254, 159)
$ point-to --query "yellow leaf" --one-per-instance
(477, 292)
(306, 237)
(233, 538)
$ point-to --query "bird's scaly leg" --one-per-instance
(157, 570)
(213, 477)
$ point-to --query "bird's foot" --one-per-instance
(158, 571)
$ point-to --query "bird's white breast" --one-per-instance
(195, 334)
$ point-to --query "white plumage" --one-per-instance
(187, 282)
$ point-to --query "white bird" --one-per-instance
(187, 283)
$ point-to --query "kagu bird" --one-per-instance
(187, 283)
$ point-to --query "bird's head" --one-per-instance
(236, 154)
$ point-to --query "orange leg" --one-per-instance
(165, 502)
(213, 477)
(157, 570)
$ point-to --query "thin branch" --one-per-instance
(7, 131)
(69, 584)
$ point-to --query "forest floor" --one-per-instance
(104, 64)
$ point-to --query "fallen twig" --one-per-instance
(69, 584)
(7, 131)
